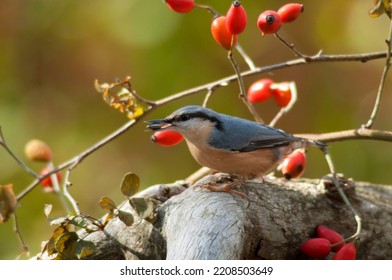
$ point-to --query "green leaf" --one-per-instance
(130, 184)
(144, 207)
(107, 204)
(126, 217)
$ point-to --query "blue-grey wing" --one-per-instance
(239, 135)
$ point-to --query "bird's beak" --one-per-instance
(157, 125)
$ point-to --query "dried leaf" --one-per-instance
(48, 209)
(144, 207)
(136, 112)
(84, 249)
(108, 217)
(101, 88)
(66, 243)
(107, 204)
(8, 202)
(50, 245)
(130, 184)
(126, 217)
(381, 7)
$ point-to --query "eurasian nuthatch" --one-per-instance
(230, 144)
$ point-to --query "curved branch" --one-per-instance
(318, 58)
(73, 162)
(353, 134)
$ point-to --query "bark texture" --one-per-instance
(271, 221)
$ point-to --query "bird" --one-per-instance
(232, 145)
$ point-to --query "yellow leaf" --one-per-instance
(107, 204)
(67, 242)
(8, 202)
(137, 112)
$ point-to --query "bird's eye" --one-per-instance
(183, 118)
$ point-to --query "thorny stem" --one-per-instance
(17, 159)
(377, 103)
(357, 217)
(242, 95)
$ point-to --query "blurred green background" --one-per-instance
(51, 51)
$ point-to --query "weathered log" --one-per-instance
(271, 221)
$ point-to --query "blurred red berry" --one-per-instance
(220, 33)
(47, 182)
(236, 18)
(316, 248)
(269, 22)
(282, 93)
(347, 252)
(331, 235)
(167, 137)
(260, 90)
(181, 6)
(290, 12)
(293, 165)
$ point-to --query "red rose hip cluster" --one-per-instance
(323, 245)
(269, 22)
(264, 89)
(225, 29)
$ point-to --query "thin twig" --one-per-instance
(208, 96)
(353, 134)
(245, 56)
(285, 110)
(209, 9)
(242, 94)
(25, 248)
(15, 157)
(377, 103)
(335, 180)
(66, 193)
(57, 190)
(291, 47)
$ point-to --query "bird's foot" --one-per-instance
(227, 187)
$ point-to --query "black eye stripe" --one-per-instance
(187, 116)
